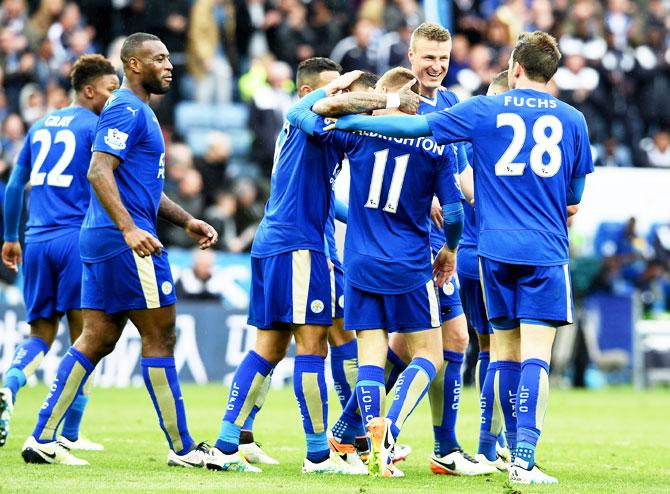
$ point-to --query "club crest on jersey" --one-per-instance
(448, 288)
(166, 288)
(116, 139)
(317, 306)
(340, 301)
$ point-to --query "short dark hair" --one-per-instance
(88, 68)
(368, 79)
(538, 54)
(309, 70)
(133, 43)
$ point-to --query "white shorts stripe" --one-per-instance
(301, 273)
(434, 306)
(333, 302)
(568, 294)
(147, 275)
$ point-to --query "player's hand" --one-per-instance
(331, 125)
(409, 100)
(143, 243)
(331, 266)
(11, 255)
(203, 233)
(436, 213)
(444, 266)
(342, 82)
(573, 210)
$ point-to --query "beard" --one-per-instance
(156, 86)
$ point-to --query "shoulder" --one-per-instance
(448, 96)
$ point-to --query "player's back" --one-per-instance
(528, 146)
(57, 152)
(300, 193)
(392, 186)
(129, 130)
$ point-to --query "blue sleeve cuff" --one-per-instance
(575, 190)
(341, 211)
(453, 223)
(389, 125)
(14, 202)
(301, 115)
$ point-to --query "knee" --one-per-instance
(312, 347)
(46, 336)
(457, 338)
(272, 355)
(95, 348)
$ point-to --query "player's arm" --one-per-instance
(341, 211)
(583, 164)
(576, 190)
(389, 125)
(13, 208)
(467, 181)
(101, 176)
(201, 232)
(405, 100)
(300, 115)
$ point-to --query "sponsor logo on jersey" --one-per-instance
(116, 139)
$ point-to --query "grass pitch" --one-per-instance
(612, 441)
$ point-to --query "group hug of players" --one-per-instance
(414, 179)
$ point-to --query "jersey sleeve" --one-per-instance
(118, 128)
(583, 158)
(24, 158)
(456, 123)
(447, 189)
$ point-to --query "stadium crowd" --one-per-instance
(236, 59)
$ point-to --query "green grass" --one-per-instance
(613, 441)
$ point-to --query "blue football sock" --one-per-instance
(483, 360)
(370, 392)
(491, 424)
(73, 417)
(27, 358)
(507, 378)
(160, 378)
(410, 388)
(258, 404)
(309, 385)
(350, 424)
(445, 394)
(532, 398)
(344, 367)
(71, 375)
(394, 367)
(248, 382)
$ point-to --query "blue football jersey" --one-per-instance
(392, 185)
(443, 99)
(330, 231)
(528, 146)
(300, 193)
(57, 151)
(129, 130)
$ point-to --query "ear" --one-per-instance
(410, 56)
(304, 90)
(517, 70)
(134, 65)
(88, 91)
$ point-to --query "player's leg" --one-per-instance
(248, 447)
(397, 358)
(499, 288)
(70, 435)
(99, 336)
(552, 309)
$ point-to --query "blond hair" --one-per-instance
(394, 79)
(430, 31)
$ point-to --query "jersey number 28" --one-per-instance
(55, 177)
(544, 144)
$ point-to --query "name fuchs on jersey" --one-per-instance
(425, 143)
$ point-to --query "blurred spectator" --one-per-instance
(13, 15)
(327, 32)
(613, 153)
(247, 216)
(393, 48)
(293, 38)
(190, 197)
(358, 51)
(268, 111)
(13, 133)
(199, 282)
(32, 104)
(477, 76)
(213, 164)
(179, 160)
(460, 48)
(47, 14)
(221, 215)
(401, 13)
(206, 60)
(57, 98)
(657, 149)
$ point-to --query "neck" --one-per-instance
(428, 92)
(79, 100)
(525, 83)
(137, 88)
